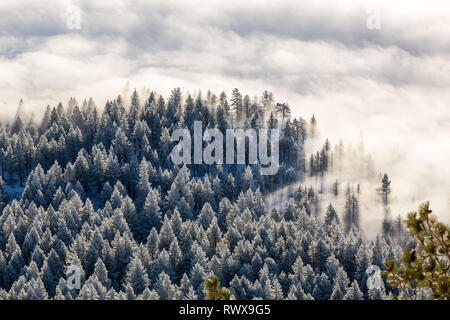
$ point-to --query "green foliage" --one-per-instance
(427, 267)
(213, 290)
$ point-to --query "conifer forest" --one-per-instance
(224, 150)
(96, 188)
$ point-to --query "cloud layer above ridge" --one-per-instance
(390, 83)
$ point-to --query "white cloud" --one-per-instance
(390, 83)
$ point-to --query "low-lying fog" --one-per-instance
(387, 85)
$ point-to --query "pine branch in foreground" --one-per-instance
(423, 272)
(213, 290)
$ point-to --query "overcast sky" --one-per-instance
(390, 83)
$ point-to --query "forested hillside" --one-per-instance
(96, 188)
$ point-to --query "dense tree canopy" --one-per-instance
(98, 190)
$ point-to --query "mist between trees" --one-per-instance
(98, 190)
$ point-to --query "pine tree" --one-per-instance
(206, 216)
(426, 267)
(353, 292)
(137, 276)
(323, 288)
(175, 254)
(320, 253)
(52, 271)
(236, 103)
(330, 215)
(351, 212)
(336, 188)
(385, 191)
(151, 217)
(213, 291)
(143, 187)
(340, 285)
(101, 273)
(164, 287)
(284, 110)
